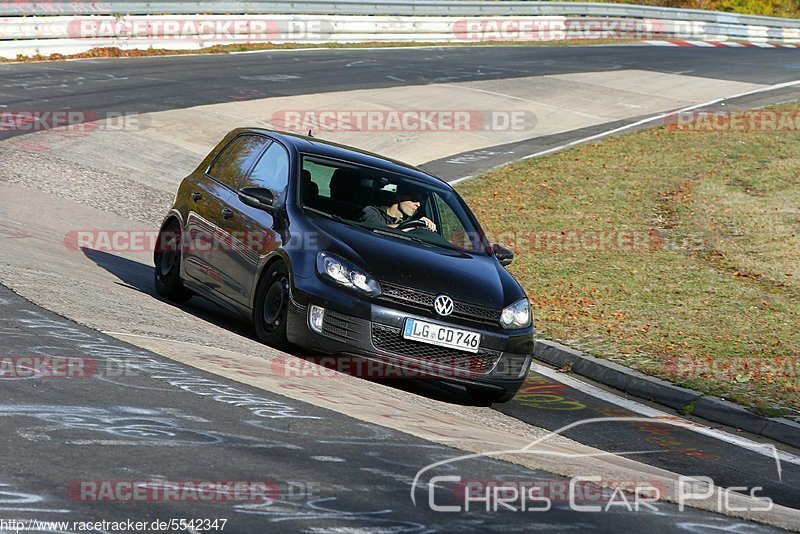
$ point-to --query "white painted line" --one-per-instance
(328, 459)
(701, 44)
(660, 116)
(660, 43)
(763, 449)
(735, 45)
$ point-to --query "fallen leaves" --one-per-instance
(747, 274)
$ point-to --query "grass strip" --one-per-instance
(672, 251)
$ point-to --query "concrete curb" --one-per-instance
(647, 387)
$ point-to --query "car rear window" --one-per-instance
(235, 161)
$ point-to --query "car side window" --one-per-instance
(320, 175)
(271, 171)
(449, 225)
(233, 164)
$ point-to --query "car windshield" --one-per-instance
(389, 203)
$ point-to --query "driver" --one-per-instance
(403, 207)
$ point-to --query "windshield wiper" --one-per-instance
(403, 235)
(337, 218)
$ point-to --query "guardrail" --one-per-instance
(380, 7)
(44, 28)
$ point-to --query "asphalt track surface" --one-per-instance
(155, 84)
(546, 403)
(134, 416)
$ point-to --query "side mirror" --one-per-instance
(257, 197)
(503, 255)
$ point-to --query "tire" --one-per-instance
(488, 396)
(272, 305)
(168, 264)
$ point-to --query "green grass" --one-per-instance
(713, 300)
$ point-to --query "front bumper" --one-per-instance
(355, 326)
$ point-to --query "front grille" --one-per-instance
(343, 327)
(409, 296)
(511, 366)
(424, 301)
(390, 339)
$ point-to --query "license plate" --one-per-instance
(443, 336)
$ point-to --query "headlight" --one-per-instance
(345, 273)
(518, 315)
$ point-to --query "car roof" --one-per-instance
(320, 147)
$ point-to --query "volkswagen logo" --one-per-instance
(443, 305)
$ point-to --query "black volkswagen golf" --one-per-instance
(343, 252)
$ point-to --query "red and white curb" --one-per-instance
(720, 44)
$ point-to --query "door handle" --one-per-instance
(227, 213)
(197, 196)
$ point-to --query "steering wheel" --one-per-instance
(413, 223)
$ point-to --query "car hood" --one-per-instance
(472, 278)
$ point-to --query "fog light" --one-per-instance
(316, 314)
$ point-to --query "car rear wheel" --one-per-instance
(168, 264)
(272, 305)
